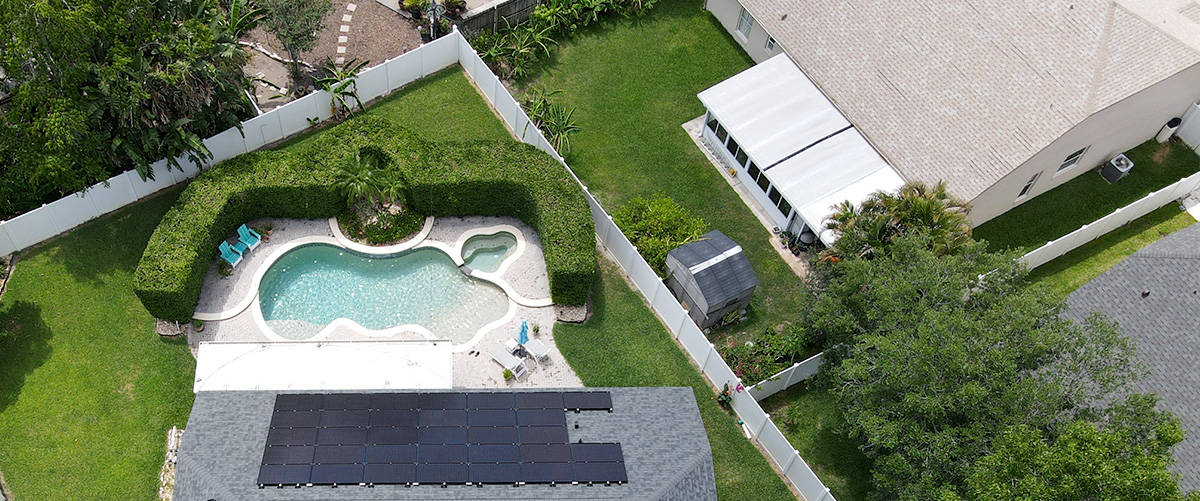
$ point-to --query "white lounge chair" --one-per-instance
(538, 350)
(507, 361)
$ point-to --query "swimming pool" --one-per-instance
(310, 286)
(486, 252)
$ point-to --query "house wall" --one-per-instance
(1106, 133)
(755, 44)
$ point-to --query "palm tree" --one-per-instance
(360, 178)
(865, 230)
(342, 85)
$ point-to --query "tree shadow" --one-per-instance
(110, 243)
(24, 346)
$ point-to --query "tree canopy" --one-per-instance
(867, 228)
(103, 86)
(296, 24)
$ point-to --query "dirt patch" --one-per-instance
(1162, 152)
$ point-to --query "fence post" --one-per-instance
(763, 426)
(704, 366)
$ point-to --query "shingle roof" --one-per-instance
(967, 90)
(1165, 326)
(719, 269)
(666, 451)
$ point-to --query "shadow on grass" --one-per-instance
(24, 346)
(111, 243)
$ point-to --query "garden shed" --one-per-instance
(711, 277)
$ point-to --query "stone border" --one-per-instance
(497, 277)
(346, 242)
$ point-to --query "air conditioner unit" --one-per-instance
(1116, 168)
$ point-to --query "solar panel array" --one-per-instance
(435, 438)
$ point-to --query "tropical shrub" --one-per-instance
(380, 227)
(655, 225)
(556, 121)
(866, 230)
(769, 352)
(496, 178)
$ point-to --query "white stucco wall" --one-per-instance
(755, 44)
(1112, 130)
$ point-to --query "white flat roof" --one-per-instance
(770, 108)
(808, 150)
(362, 365)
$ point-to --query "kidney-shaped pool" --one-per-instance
(312, 285)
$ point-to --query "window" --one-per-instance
(744, 21)
(1028, 186)
(763, 183)
(753, 171)
(1071, 160)
(785, 207)
(732, 146)
(774, 196)
(722, 134)
(713, 124)
(742, 157)
(770, 43)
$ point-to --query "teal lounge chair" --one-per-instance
(230, 254)
(248, 237)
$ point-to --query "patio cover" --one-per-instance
(357, 365)
(808, 150)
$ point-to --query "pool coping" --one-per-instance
(416, 242)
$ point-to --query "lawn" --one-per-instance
(633, 82)
(1088, 197)
(87, 389)
(624, 344)
(1073, 269)
(811, 421)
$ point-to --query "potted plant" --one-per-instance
(536, 328)
(197, 325)
(224, 269)
(508, 375)
(454, 7)
(415, 7)
(424, 31)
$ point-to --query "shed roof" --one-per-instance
(718, 266)
(967, 90)
(1164, 326)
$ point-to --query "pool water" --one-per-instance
(486, 252)
(312, 285)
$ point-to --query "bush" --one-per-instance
(490, 178)
(657, 224)
(416, 6)
(383, 226)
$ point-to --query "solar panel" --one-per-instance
(600, 472)
(539, 400)
(434, 438)
(390, 473)
(587, 400)
(491, 417)
(508, 453)
(494, 473)
(342, 474)
(338, 454)
(441, 473)
(391, 454)
(491, 401)
(596, 452)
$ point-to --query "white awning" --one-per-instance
(806, 148)
(771, 108)
(362, 365)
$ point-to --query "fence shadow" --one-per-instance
(24, 346)
(113, 242)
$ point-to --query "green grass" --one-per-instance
(87, 389)
(1087, 198)
(1073, 269)
(624, 344)
(633, 82)
(811, 419)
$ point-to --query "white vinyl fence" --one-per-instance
(693, 340)
(786, 378)
(1117, 219)
(123, 189)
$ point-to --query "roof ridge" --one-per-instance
(1101, 61)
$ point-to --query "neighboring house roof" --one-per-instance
(1164, 325)
(662, 437)
(967, 90)
(714, 270)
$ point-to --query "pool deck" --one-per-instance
(228, 306)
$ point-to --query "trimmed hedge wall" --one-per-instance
(489, 178)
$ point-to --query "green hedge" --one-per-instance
(490, 178)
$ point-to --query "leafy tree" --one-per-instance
(931, 357)
(657, 224)
(1117, 461)
(103, 86)
(296, 23)
(881, 218)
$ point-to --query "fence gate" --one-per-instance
(1189, 130)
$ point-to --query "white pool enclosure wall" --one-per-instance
(792, 148)
(323, 366)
